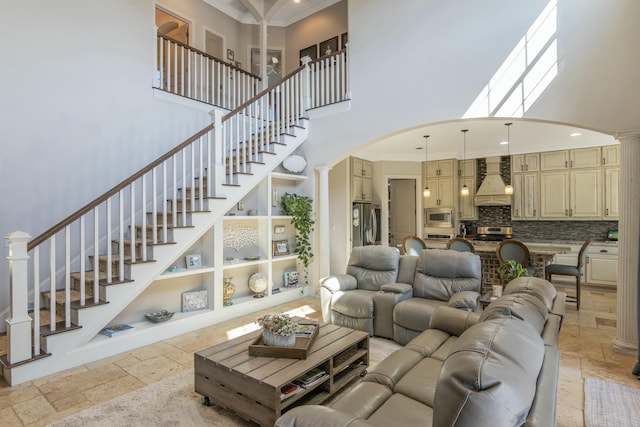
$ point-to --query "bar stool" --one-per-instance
(571, 270)
(461, 245)
(413, 245)
(515, 250)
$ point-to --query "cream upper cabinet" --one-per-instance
(585, 158)
(554, 195)
(570, 159)
(611, 155)
(467, 168)
(525, 163)
(526, 196)
(554, 160)
(611, 188)
(586, 194)
(361, 167)
(439, 168)
(467, 209)
(573, 194)
(442, 193)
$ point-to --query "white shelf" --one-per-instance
(289, 176)
(181, 272)
(243, 263)
(284, 258)
(244, 217)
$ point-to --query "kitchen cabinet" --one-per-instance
(442, 193)
(611, 155)
(525, 163)
(575, 194)
(526, 196)
(438, 168)
(602, 265)
(361, 180)
(466, 207)
(570, 159)
(467, 168)
(611, 189)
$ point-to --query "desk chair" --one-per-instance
(571, 270)
(413, 245)
(515, 250)
(460, 245)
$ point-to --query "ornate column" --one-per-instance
(323, 222)
(628, 259)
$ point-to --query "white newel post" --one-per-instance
(19, 322)
(218, 155)
(306, 84)
(628, 260)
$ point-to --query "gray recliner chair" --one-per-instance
(363, 297)
(442, 277)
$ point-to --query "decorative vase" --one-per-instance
(274, 340)
(228, 289)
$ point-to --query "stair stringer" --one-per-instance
(76, 347)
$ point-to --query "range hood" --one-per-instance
(491, 191)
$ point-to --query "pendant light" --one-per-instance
(508, 189)
(464, 191)
(426, 192)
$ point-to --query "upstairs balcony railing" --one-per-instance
(186, 71)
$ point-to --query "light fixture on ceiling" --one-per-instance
(508, 189)
(426, 192)
(464, 191)
(297, 1)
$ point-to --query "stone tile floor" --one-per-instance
(585, 340)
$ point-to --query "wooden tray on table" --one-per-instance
(304, 341)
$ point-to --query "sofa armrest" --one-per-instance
(318, 416)
(452, 321)
(464, 300)
(404, 289)
(383, 302)
(339, 282)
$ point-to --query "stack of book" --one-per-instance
(311, 378)
(289, 390)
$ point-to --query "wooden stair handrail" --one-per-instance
(76, 215)
(206, 55)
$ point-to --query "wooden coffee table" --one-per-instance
(251, 386)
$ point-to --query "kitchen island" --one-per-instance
(539, 256)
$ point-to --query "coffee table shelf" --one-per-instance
(229, 376)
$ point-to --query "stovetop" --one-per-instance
(493, 234)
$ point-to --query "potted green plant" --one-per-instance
(278, 330)
(510, 270)
(300, 209)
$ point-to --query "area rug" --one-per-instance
(610, 405)
(172, 402)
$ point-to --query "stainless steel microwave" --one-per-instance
(438, 217)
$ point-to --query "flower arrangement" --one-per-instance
(278, 324)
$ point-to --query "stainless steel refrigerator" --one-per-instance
(365, 224)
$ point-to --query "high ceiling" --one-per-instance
(446, 141)
(276, 12)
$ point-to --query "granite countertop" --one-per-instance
(481, 246)
(535, 242)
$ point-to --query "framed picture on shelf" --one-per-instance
(344, 39)
(193, 260)
(290, 279)
(231, 55)
(280, 247)
(328, 47)
(311, 52)
(195, 300)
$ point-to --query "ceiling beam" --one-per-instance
(256, 10)
(275, 7)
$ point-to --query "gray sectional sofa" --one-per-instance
(495, 368)
(393, 296)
